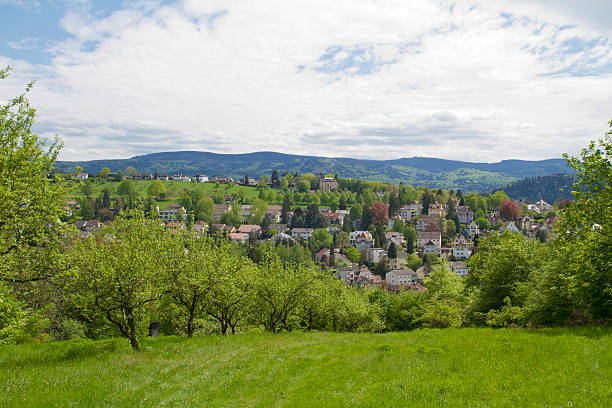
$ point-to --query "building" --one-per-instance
(323, 255)
(328, 183)
(428, 222)
(171, 212)
(201, 178)
(302, 233)
(143, 176)
(461, 251)
(181, 177)
(465, 214)
(81, 176)
(423, 237)
(459, 268)
(437, 209)
(361, 240)
(400, 262)
(220, 209)
(249, 228)
(239, 237)
(375, 255)
(397, 277)
(473, 229)
(431, 248)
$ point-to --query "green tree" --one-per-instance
(156, 189)
(131, 171)
(352, 253)
(585, 230)
(32, 198)
(320, 239)
(119, 272)
(303, 186)
(204, 209)
(104, 172)
(120, 176)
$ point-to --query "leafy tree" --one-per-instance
(379, 213)
(204, 209)
(87, 209)
(352, 253)
(32, 199)
(258, 211)
(120, 176)
(118, 272)
(320, 239)
(129, 194)
(131, 171)
(106, 198)
(156, 189)
(586, 228)
(87, 188)
(509, 210)
(542, 235)
(303, 186)
(392, 252)
(495, 199)
(17, 322)
(483, 224)
(104, 172)
(356, 211)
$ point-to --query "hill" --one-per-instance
(433, 173)
(449, 367)
(548, 188)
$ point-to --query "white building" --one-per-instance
(401, 277)
(361, 239)
(171, 212)
(302, 233)
(431, 248)
(473, 229)
(201, 178)
(459, 268)
(375, 255)
(461, 251)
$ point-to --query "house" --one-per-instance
(431, 248)
(361, 240)
(239, 237)
(328, 183)
(459, 268)
(394, 235)
(543, 206)
(436, 208)
(281, 236)
(200, 178)
(245, 211)
(274, 212)
(525, 222)
(200, 227)
(398, 243)
(224, 228)
(425, 222)
(397, 277)
(171, 212)
(220, 209)
(278, 227)
(405, 213)
(473, 229)
(374, 255)
(400, 262)
(181, 177)
(323, 255)
(373, 280)
(494, 218)
(175, 227)
(302, 233)
(249, 228)
(509, 226)
(465, 214)
(415, 208)
(162, 177)
(549, 224)
(461, 251)
(143, 176)
(81, 176)
(424, 236)
(334, 217)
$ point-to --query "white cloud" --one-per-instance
(407, 79)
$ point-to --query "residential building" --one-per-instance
(459, 268)
(509, 226)
(400, 262)
(323, 255)
(82, 176)
(143, 176)
(239, 237)
(436, 208)
(361, 240)
(220, 209)
(397, 277)
(374, 255)
(427, 222)
(465, 214)
(181, 177)
(431, 248)
(249, 228)
(302, 233)
(328, 183)
(461, 251)
(473, 229)
(201, 178)
(274, 212)
(171, 212)
(423, 237)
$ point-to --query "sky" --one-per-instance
(474, 80)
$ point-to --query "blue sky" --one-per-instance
(479, 80)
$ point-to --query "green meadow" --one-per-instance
(563, 367)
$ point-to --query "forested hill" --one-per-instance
(548, 188)
(433, 173)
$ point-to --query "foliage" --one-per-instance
(352, 253)
(17, 323)
(509, 210)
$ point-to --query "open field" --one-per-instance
(451, 367)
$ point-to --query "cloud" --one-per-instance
(27, 43)
(462, 80)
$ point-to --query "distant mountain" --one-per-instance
(418, 171)
(548, 188)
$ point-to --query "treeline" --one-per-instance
(551, 188)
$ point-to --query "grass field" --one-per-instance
(452, 367)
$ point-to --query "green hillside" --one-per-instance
(450, 367)
(433, 173)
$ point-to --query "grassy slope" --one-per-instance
(465, 367)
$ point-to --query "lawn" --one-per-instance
(451, 367)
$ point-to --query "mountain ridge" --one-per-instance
(430, 172)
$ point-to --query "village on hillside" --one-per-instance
(383, 244)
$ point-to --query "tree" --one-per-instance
(509, 210)
(585, 230)
(104, 172)
(118, 272)
(129, 194)
(275, 179)
(379, 213)
(32, 198)
(131, 171)
(352, 253)
(356, 211)
(303, 186)
(156, 189)
(106, 198)
(320, 239)
(120, 176)
(258, 211)
(392, 252)
(495, 199)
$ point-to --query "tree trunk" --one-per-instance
(134, 342)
